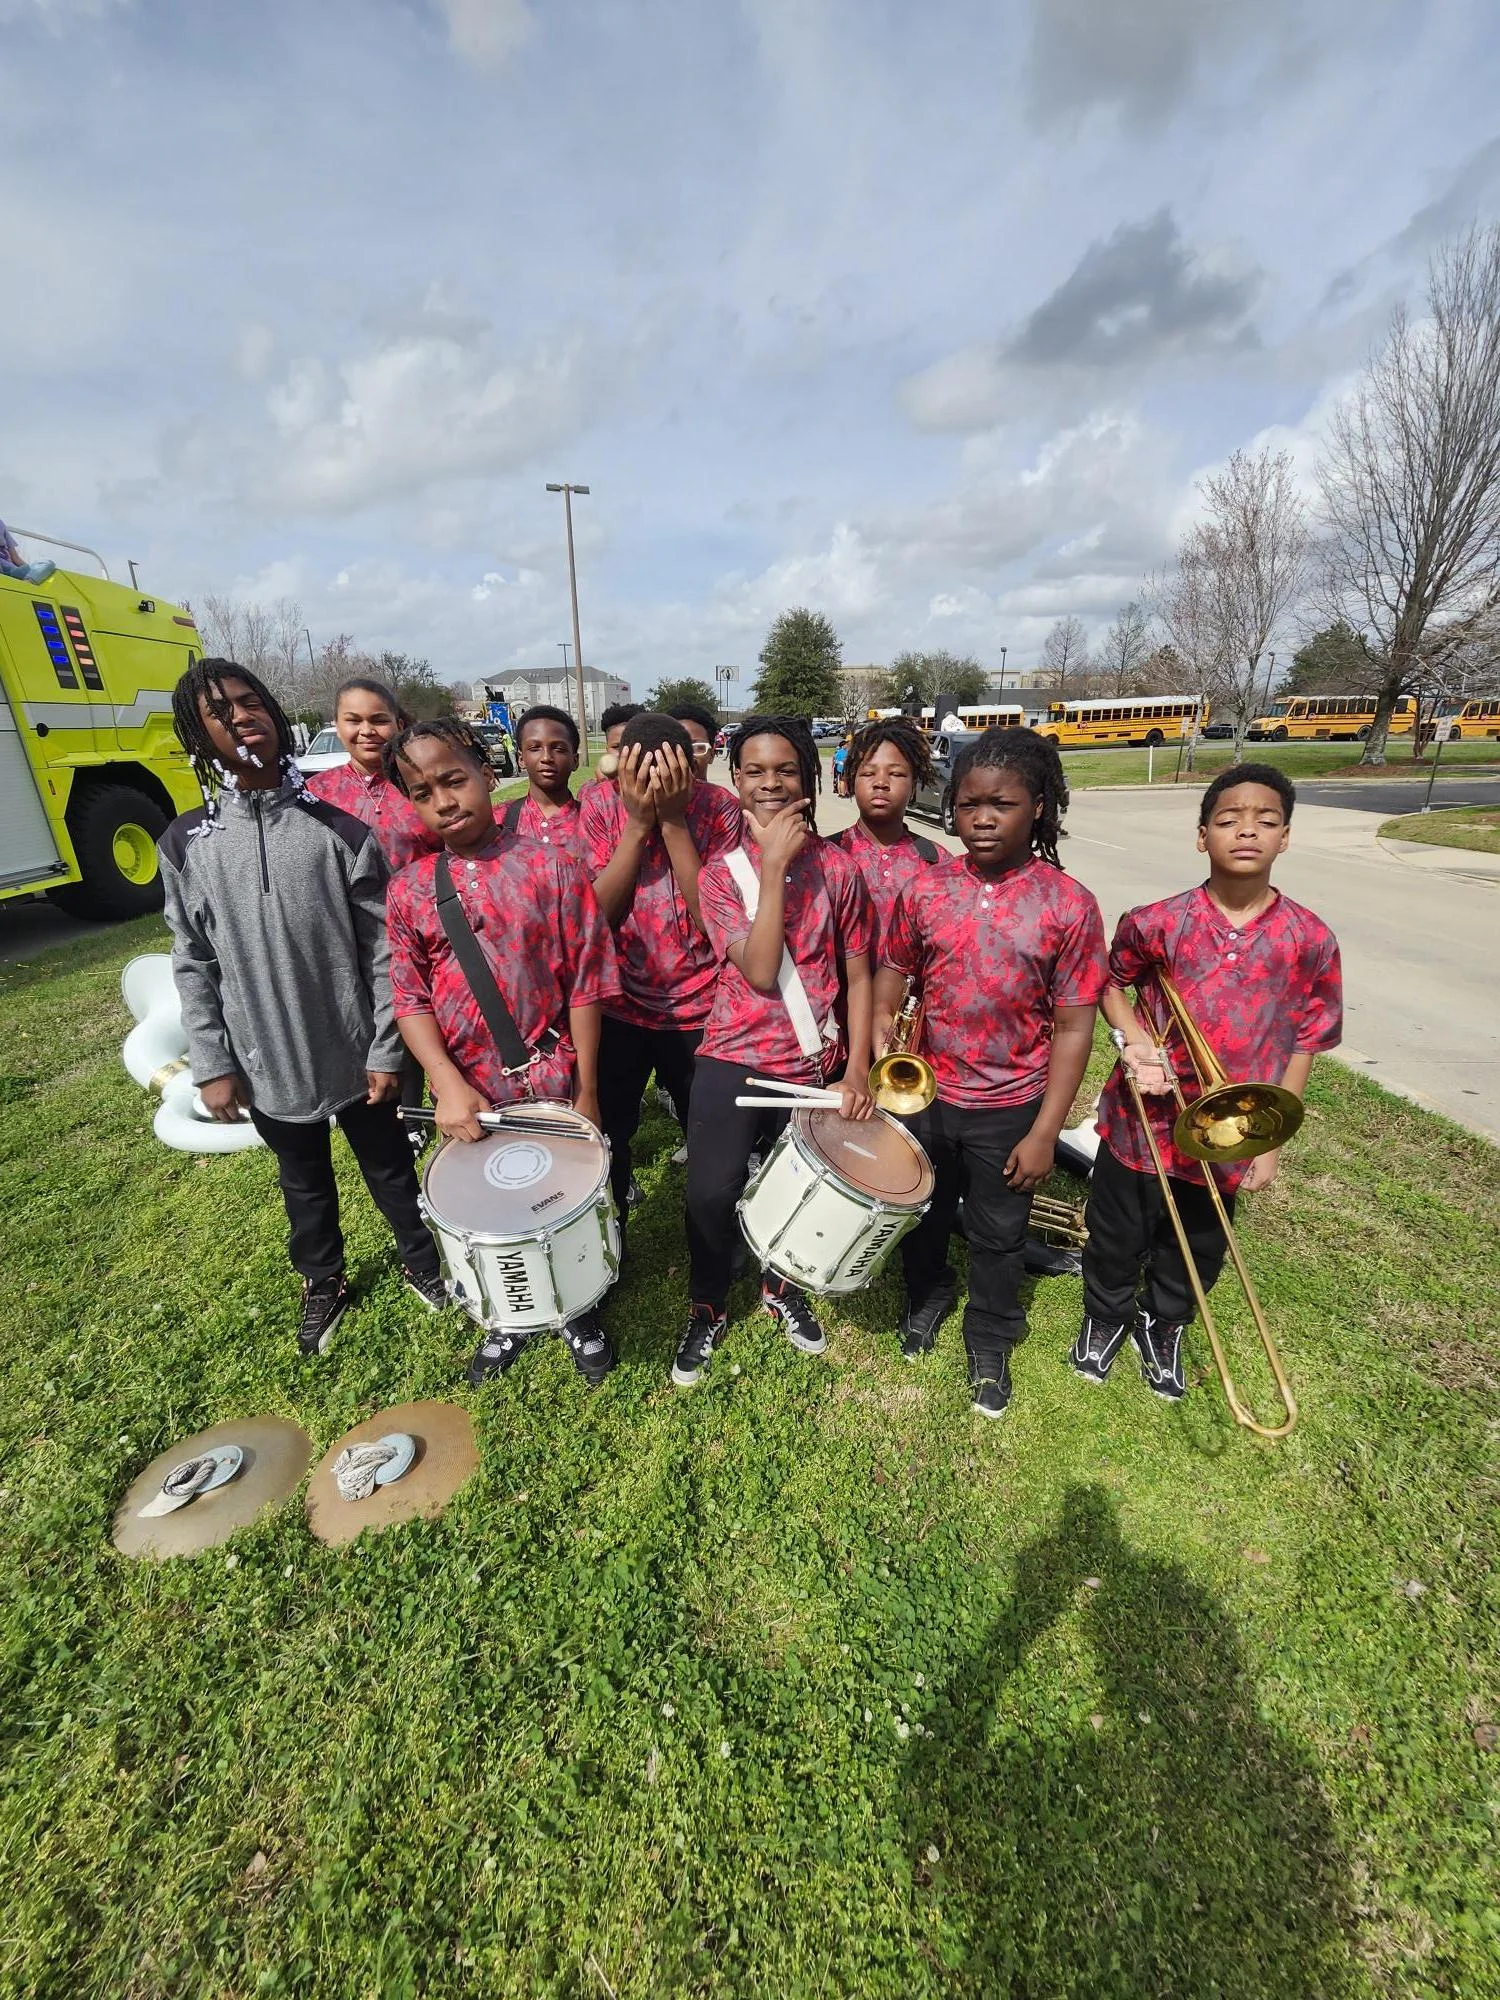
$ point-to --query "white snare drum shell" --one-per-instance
(833, 1198)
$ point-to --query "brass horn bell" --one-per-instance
(901, 1081)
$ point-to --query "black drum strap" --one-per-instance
(514, 1053)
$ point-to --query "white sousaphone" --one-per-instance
(155, 1053)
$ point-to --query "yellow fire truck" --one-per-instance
(90, 772)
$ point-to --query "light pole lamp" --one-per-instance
(567, 489)
(1003, 651)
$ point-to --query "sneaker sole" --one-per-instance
(915, 1353)
(1088, 1375)
(682, 1380)
(800, 1341)
(1166, 1395)
(993, 1415)
(427, 1301)
(310, 1353)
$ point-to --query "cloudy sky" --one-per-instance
(926, 316)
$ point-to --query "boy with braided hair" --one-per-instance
(544, 944)
(789, 922)
(886, 763)
(276, 901)
(1009, 954)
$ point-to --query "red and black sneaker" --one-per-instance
(323, 1306)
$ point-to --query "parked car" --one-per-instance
(324, 753)
(497, 741)
(824, 728)
(936, 798)
(1217, 732)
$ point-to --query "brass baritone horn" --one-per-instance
(901, 1081)
(1229, 1121)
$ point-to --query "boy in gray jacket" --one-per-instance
(276, 902)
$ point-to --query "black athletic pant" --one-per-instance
(1129, 1229)
(721, 1138)
(968, 1149)
(627, 1056)
(304, 1163)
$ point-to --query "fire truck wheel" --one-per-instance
(115, 830)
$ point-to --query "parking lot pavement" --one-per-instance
(1421, 950)
(1391, 797)
(30, 925)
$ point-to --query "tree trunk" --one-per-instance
(1385, 703)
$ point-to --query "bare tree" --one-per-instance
(1065, 651)
(1244, 568)
(1182, 603)
(260, 637)
(1123, 649)
(1410, 480)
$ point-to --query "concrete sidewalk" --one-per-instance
(1420, 944)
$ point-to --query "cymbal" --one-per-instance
(446, 1458)
(276, 1454)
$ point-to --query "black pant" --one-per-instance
(1129, 1228)
(627, 1056)
(304, 1164)
(968, 1149)
(721, 1138)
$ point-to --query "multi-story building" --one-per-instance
(526, 687)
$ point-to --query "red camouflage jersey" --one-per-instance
(1262, 993)
(994, 957)
(558, 830)
(828, 922)
(886, 870)
(384, 808)
(667, 966)
(544, 938)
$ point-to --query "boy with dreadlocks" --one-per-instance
(1260, 976)
(645, 839)
(546, 947)
(886, 763)
(276, 902)
(788, 918)
(1009, 954)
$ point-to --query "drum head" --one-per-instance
(513, 1184)
(878, 1158)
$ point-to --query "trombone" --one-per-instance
(1227, 1122)
(901, 1081)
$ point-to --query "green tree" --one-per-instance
(677, 694)
(941, 672)
(417, 686)
(1332, 661)
(799, 666)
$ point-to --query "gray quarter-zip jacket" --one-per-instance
(277, 907)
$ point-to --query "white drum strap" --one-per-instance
(788, 979)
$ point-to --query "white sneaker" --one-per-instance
(679, 1158)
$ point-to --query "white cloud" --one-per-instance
(487, 32)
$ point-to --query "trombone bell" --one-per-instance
(1237, 1121)
(901, 1081)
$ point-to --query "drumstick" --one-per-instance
(496, 1121)
(814, 1100)
(814, 1095)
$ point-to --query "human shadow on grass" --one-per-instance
(1156, 1836)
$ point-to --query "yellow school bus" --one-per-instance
(1477, 719)
(1327, 718)
(1007, 715)
(90, 771)
(1153, 718)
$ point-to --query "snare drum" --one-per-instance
(525, 1225)
(832, 1198)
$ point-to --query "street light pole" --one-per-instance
(1003, 652)
(722, 677)
(567, 490)
(564, 645)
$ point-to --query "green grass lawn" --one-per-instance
(1474, 827)
(804, 1684)
(1088, 768)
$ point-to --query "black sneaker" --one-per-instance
(588, 1343)
(991, 1388)
(432, 1289)
(1159, 1344)
(634, 1194)
(1093, 1352)
(798, 1321)
(919, 1324)
(323, 1306)
(705, 1329)
(494, 1354)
